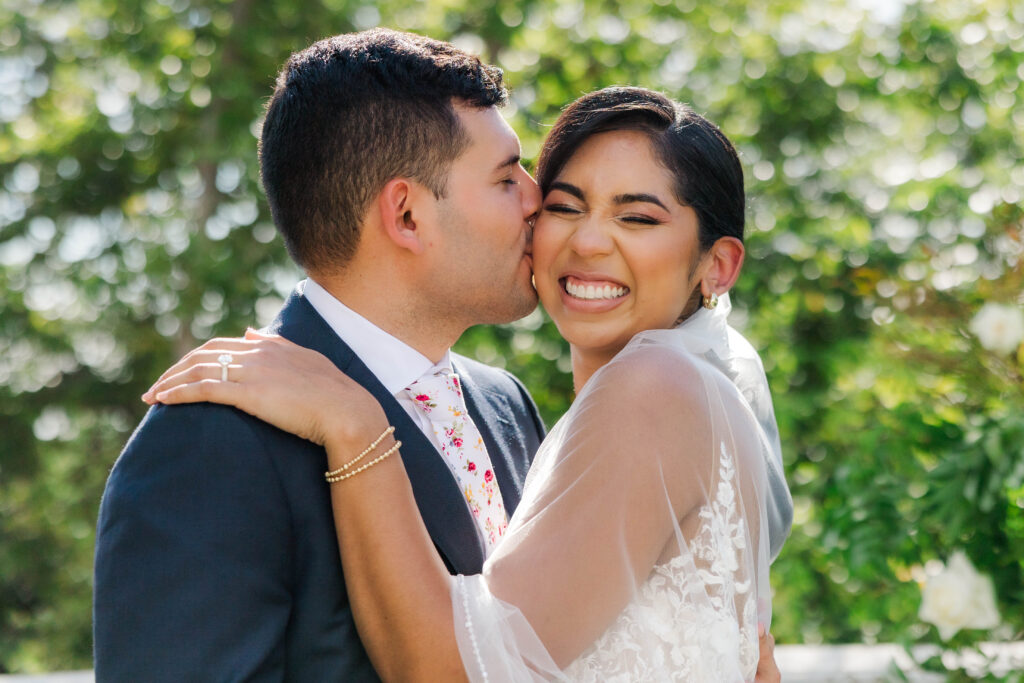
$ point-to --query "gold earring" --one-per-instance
(710, 301)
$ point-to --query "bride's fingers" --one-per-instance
(284, 352)
(265, 360)
(254, 399)
(767, 669)
(222, 344)
(210, 357)
(194, 373)
(208, 390)
(250, 333)
(257, 336)
(267, 354)
(293, 388)
(212, 348)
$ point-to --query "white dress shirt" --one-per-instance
(395, 363)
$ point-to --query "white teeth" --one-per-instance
(592, 292)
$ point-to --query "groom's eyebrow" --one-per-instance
(508, 163)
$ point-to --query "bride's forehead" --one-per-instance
(622, 157)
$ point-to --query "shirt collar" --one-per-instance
(392, 361)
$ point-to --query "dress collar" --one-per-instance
(703, 332)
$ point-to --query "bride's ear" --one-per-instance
(724, 259)
(403, 207)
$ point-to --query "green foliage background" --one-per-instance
(882, 144)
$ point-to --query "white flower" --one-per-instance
(998, 327)
(958, 597)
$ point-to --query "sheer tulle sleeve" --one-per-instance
(640, 547)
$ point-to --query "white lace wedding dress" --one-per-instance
(641, 547)
(665, 634)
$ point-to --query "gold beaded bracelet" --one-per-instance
(343, 477)
(367, 451)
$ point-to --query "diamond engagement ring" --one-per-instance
(225, 360)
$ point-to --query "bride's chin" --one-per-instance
(590, 339)
(598, 335)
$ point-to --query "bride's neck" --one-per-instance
(585, 362)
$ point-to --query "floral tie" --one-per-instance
(439, 396)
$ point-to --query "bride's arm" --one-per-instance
(582, 542)
(397, 585)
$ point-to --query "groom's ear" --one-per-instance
(724, 259)
(404, 207)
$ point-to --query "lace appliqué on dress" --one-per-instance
(695, 618)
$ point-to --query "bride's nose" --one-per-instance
(591, 238)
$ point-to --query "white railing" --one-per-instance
(877, 663)
(798, 663)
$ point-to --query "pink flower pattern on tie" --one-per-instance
(439, 396)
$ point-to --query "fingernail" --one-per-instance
(161, 395)
(760, 630)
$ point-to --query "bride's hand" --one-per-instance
(293, 388)
(767, 669)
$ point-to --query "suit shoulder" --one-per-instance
(208, 426)
(195, 446)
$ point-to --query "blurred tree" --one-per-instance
(883, 147)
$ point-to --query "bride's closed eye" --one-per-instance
(641, 220)
(562, 209)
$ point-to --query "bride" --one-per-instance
(641, 547)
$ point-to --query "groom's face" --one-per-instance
(484, 266)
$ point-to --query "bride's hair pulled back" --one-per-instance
(703, 162)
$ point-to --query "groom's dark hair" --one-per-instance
(351, 112)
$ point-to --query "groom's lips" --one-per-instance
(528, 251)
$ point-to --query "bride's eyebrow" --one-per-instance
(568, 189)
(639, 197)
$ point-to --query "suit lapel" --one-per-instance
(486, 408)
(441, 503)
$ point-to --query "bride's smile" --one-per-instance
(592, 292)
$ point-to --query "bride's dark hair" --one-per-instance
(706, 168)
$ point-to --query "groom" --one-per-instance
(397, 187)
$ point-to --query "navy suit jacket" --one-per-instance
(216, 555)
